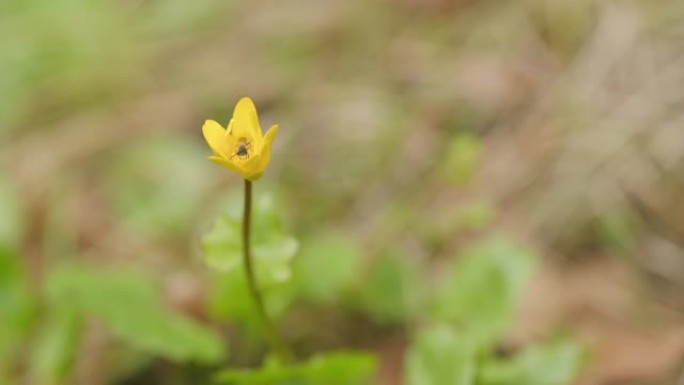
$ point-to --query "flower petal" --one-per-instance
(266, 145)
(246, 121)
(254, 176)
(270, 135)
(253, 164)
(215, 136)
(251, 168)
(229, 129)
(227, 164)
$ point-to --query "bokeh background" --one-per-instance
(409, 131)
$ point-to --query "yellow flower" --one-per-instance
(241, 147)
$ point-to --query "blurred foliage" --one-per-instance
(462, 158)
(272, 250)
(441, 356)
(471, 304)
(17, 311)
(473, 216)
(553, 363)
(142, 184)
(17, 306)
(13, 224)
(479, 291)
(51, 66)
(394, 289)
(409, 131)
(131, 307)
(617, 230)
(49, 63)
(55, 348)
(472, 310)
(327, 266)
(335, 369)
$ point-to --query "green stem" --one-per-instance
(274, 339)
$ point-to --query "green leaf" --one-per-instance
(328, 264)
(264, 376)
(55, 348)
(272, 249)
(480, 290)
(230, 299)
(17, 312)
(341, 368)
(222, 245)
(394, 289)
(132, 309)
(440, 356)
(553, 363)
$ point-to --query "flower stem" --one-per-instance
(274, 339)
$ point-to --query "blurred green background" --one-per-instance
(461, 192)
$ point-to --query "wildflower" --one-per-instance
(241, 147)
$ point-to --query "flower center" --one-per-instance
(242, 148)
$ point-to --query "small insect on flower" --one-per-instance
(241, 147)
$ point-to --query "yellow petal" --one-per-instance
(215, 136)
(254, 176)
(266, 145)
(246, 121)
(229, 129)
(253, 164)
(252, 168)
(227, 164)
(270, 135)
